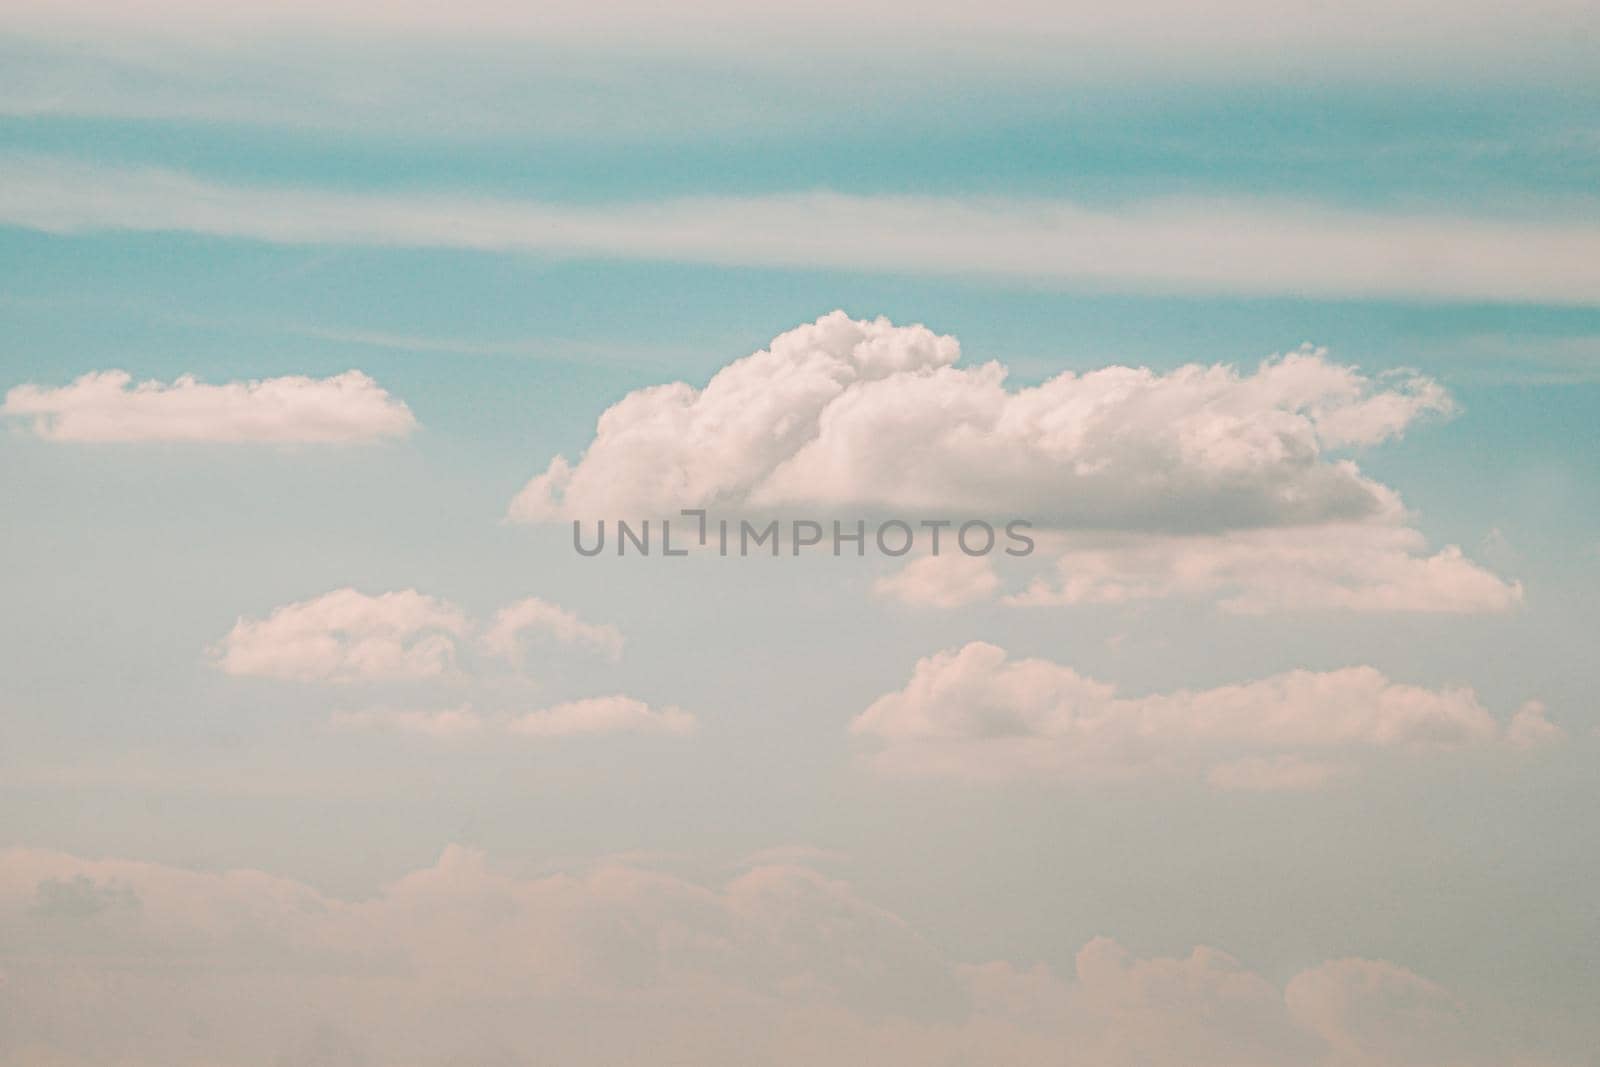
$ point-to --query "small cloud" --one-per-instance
(975, 712)
(348, 636)
(592, 715)
(532, 616)
(602, 715)
(951, 580)
(1530, 729)
(105, 406)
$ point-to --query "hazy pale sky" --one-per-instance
(321, 323)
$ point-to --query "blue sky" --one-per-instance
(512, 221)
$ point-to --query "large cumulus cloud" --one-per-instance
(1235, 484)
(845, 414)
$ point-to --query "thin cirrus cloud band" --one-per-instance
(1272, 248)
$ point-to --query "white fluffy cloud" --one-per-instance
(1346, 566)
(348, 636)
(975, 712)
(107, 406)
(1199, 482)
(458, 963)
(871, 416)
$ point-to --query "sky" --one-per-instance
(321, 325)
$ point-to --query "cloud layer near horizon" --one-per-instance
(459, 963)
(974, 712)
(107, 406)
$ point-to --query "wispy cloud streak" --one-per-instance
(1251, 247)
